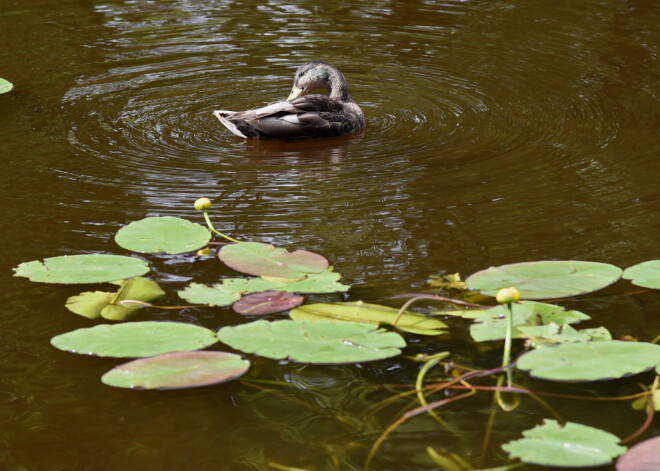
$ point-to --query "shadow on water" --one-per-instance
(497, 132)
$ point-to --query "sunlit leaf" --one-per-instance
(255, 258)
(97, 304)
(325, 282)
(372, 314)
(163, 234)
(645, 274)
(571, 445)
(643, 402)
(590, 361)
(313, 342)
(267, 302)
(87, 268)
(491, 323)
(5, 86)
(644, 456)
(216, 295)
(177, 371)
(546, 279)
(135, 339)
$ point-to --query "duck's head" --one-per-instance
(314, 75)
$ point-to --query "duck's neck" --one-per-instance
(338, 86)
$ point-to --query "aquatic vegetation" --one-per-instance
(5, 86)
(171, 356)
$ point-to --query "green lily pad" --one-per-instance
(267, 302)
(325, 282)
(163, 234)
(551, 334)
(255, 258)
(644, 456)
(135, 339)
(97, 304)
(216, 295)
(645, 274)
(177, 370)
(590, 361)
(88, 268)
(371, 314)
(5, 86)
(571, 445)
(491, 323)
(546, 279)
(313, 342)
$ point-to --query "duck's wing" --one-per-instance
(304, 117)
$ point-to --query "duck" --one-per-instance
(302, 115)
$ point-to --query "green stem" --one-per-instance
(507, 340)
(213, 229)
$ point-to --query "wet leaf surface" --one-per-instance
(267, 302)
(255, 258)
(163, 234)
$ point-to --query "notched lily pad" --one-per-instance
(645, 274)
(177, 371)
(372, 314)
(267, 302)
(163, 234)
(216, 295)
(313, 342)
(86, 268)
(325, 282)
(551, 444)
(590, 361)
(255, 258)
(135, 339)
(101, 304)
(545, 279)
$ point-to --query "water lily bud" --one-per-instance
(508, 295)
(202, 204)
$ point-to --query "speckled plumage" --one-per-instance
(302, 116)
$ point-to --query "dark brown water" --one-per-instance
(497, 132)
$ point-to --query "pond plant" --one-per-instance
(170, 355)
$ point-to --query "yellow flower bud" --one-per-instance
(202, 204)
(508, 295)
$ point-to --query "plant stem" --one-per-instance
(213, 229)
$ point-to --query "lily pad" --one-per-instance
(645, 274)
(267, 302)
(97, 304)
(644, 456)
(177, 370)
(571, 445)
(163, 234)
(5, 86)
(313, 342)
(491, 323)
(135, 339)
(255, 258)
(546, 279)
(371, 314)
(87, 268)
(216, 295)
(590, 361)
(325, 282)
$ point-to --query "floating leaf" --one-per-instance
(216, 295)
(313, 342)
(97, 304)
(255, 258)
(325, 282)
(645, 274)
(5, 86)
(551, 334)
(135, 339)
(371, 314)
(644, 456)
(642, 403)
(163, 234)
(177, 371)
(572, 445)
(452, 281)
(491, 323)
(88, 268)
(267, 302)
(547, 279)
(590, 361)
(464, 313)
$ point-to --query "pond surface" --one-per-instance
(497, 132)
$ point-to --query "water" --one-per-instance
(497, 132)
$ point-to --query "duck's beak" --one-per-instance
(295, 93)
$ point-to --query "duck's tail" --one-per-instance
(222, 116)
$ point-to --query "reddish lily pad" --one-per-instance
(267, 302)
(644, 456)
(255, 258)
(177, 370)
